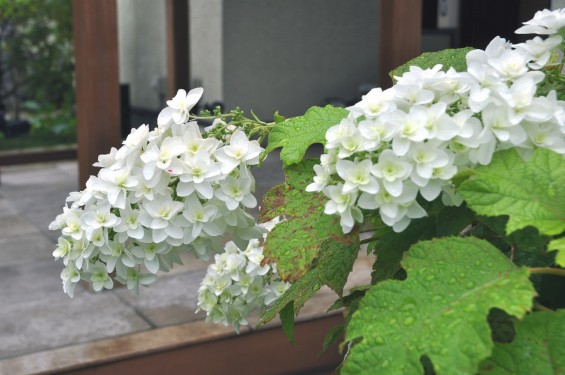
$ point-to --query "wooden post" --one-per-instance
(95, 34)
(401, 30)
(177, 46)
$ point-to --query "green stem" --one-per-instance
(367, 240)
(538, 306)
(547, 271)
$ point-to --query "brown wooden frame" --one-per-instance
(400, 35)
(95, 32)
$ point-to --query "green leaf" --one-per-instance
(331, 268)
(530, 193)
(334, 334)
(390, 246)
(439, 311)
(537, 348)
(448, 58)
(559, 245)
(287, 321)
(296, 134)
(295, 242)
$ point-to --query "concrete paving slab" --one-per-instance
(13, 225)
(32, 174)
(36, 280)
(35, 325)
(20, 248)
(170, 300)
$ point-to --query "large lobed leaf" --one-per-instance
(439, 312)
(389, 246)
(455, 58)
(537, 348)
(331, 268)
(295, 242)
(531, 192)
(296, 134)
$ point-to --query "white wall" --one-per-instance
(143, 50)
(206, 47)
(288, 55)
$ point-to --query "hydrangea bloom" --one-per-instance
(164, 192)
(406, 143)
(238, 282)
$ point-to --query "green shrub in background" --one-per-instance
(37, 67)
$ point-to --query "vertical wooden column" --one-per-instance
(177, 46)
(401, 32)
(95, 34)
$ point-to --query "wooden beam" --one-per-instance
(266, 351)
(95, 32)
(177, 46)
(400, 35)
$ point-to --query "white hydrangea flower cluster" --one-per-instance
(164, 192)
(239, 282)
(412, 139)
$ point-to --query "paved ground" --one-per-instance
(35, 314)
(41, 328)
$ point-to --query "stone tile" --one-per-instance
(46, 323)
(6, 209)
(14, 225)
(14, 249)
(170, 300)
(32, 280)
(32, 174)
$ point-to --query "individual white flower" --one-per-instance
(115, 255)
(129, 226)
(198, 174)
(439, 125)
(179, 107)
(160, 215)
(70, 276)
(426, 157)
(373, 103)
(99, 217)
(392, 170)
(107, 160)
(357, 176)
(201, 217)
(496, 118)
(72, 226)
(321, 180)
(424, 78)
(375, 131)
(134, 141)
(234, 192)
(274, 290)
(163, 157)
(343, 204)
(132, 278)
(412, 94)
(545, 22)
(99, 277)
(335, 134)
(546, 135)
(149, 252)
(240, 150)
(193, 141)
(115, 184)
(412, 127)
(540, 50)
(494, 49)
(63, 248)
